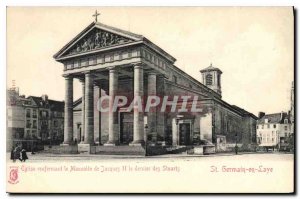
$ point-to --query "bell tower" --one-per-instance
(211, 77)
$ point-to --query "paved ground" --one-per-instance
(260, 173)
(226, 156)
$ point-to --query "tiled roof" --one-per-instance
(210, 68)
(120, 30)
(52, 104)
(56, 105)
(243, 111)
(274, 118)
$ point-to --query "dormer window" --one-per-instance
(285, 121)
(266, 120)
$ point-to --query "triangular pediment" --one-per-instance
(96, 37)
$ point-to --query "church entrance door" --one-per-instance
(185, 134)
(126, 128)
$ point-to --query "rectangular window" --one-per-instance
(28, 124)
(28, 134)
(262, 126)
(21, 135)
(34, 114)
(274, 125)
(257, 127)
(34, 124)
(285, 128)
(44, 114)
(268, 126)
(28, 112)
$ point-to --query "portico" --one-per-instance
(100, 56)
(90, 93)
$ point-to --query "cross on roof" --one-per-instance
(96, 15)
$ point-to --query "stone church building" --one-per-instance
(113, 62)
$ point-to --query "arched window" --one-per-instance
(209, 79)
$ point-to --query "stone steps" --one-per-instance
(60, 149)
(119, 150)
(178, 149)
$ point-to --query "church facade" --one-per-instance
(109, 63)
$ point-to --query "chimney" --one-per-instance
(281, 115)
(45, 98)
(261, 114)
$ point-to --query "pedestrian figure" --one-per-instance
(24, 156)
(236, 149)
(17, 153)
(12, 155)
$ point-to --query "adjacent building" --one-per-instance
(292, 111)
(15, 122)
(273, 130)
(33, 121)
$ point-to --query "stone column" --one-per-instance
(138, 115)
(97, 113)
(89, 109)
(82, 110)
(152, 111)
(161, 116)
(113, 129)
(175, 132)
(68, 119)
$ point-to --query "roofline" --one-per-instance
(196, 81)
(114, 30)
(74, 39)
(159, 50)
(208, 70)
(275, 113)
(48, 99)
(233, 107)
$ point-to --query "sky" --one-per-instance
(254, 47)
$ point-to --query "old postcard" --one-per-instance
(150, 100)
